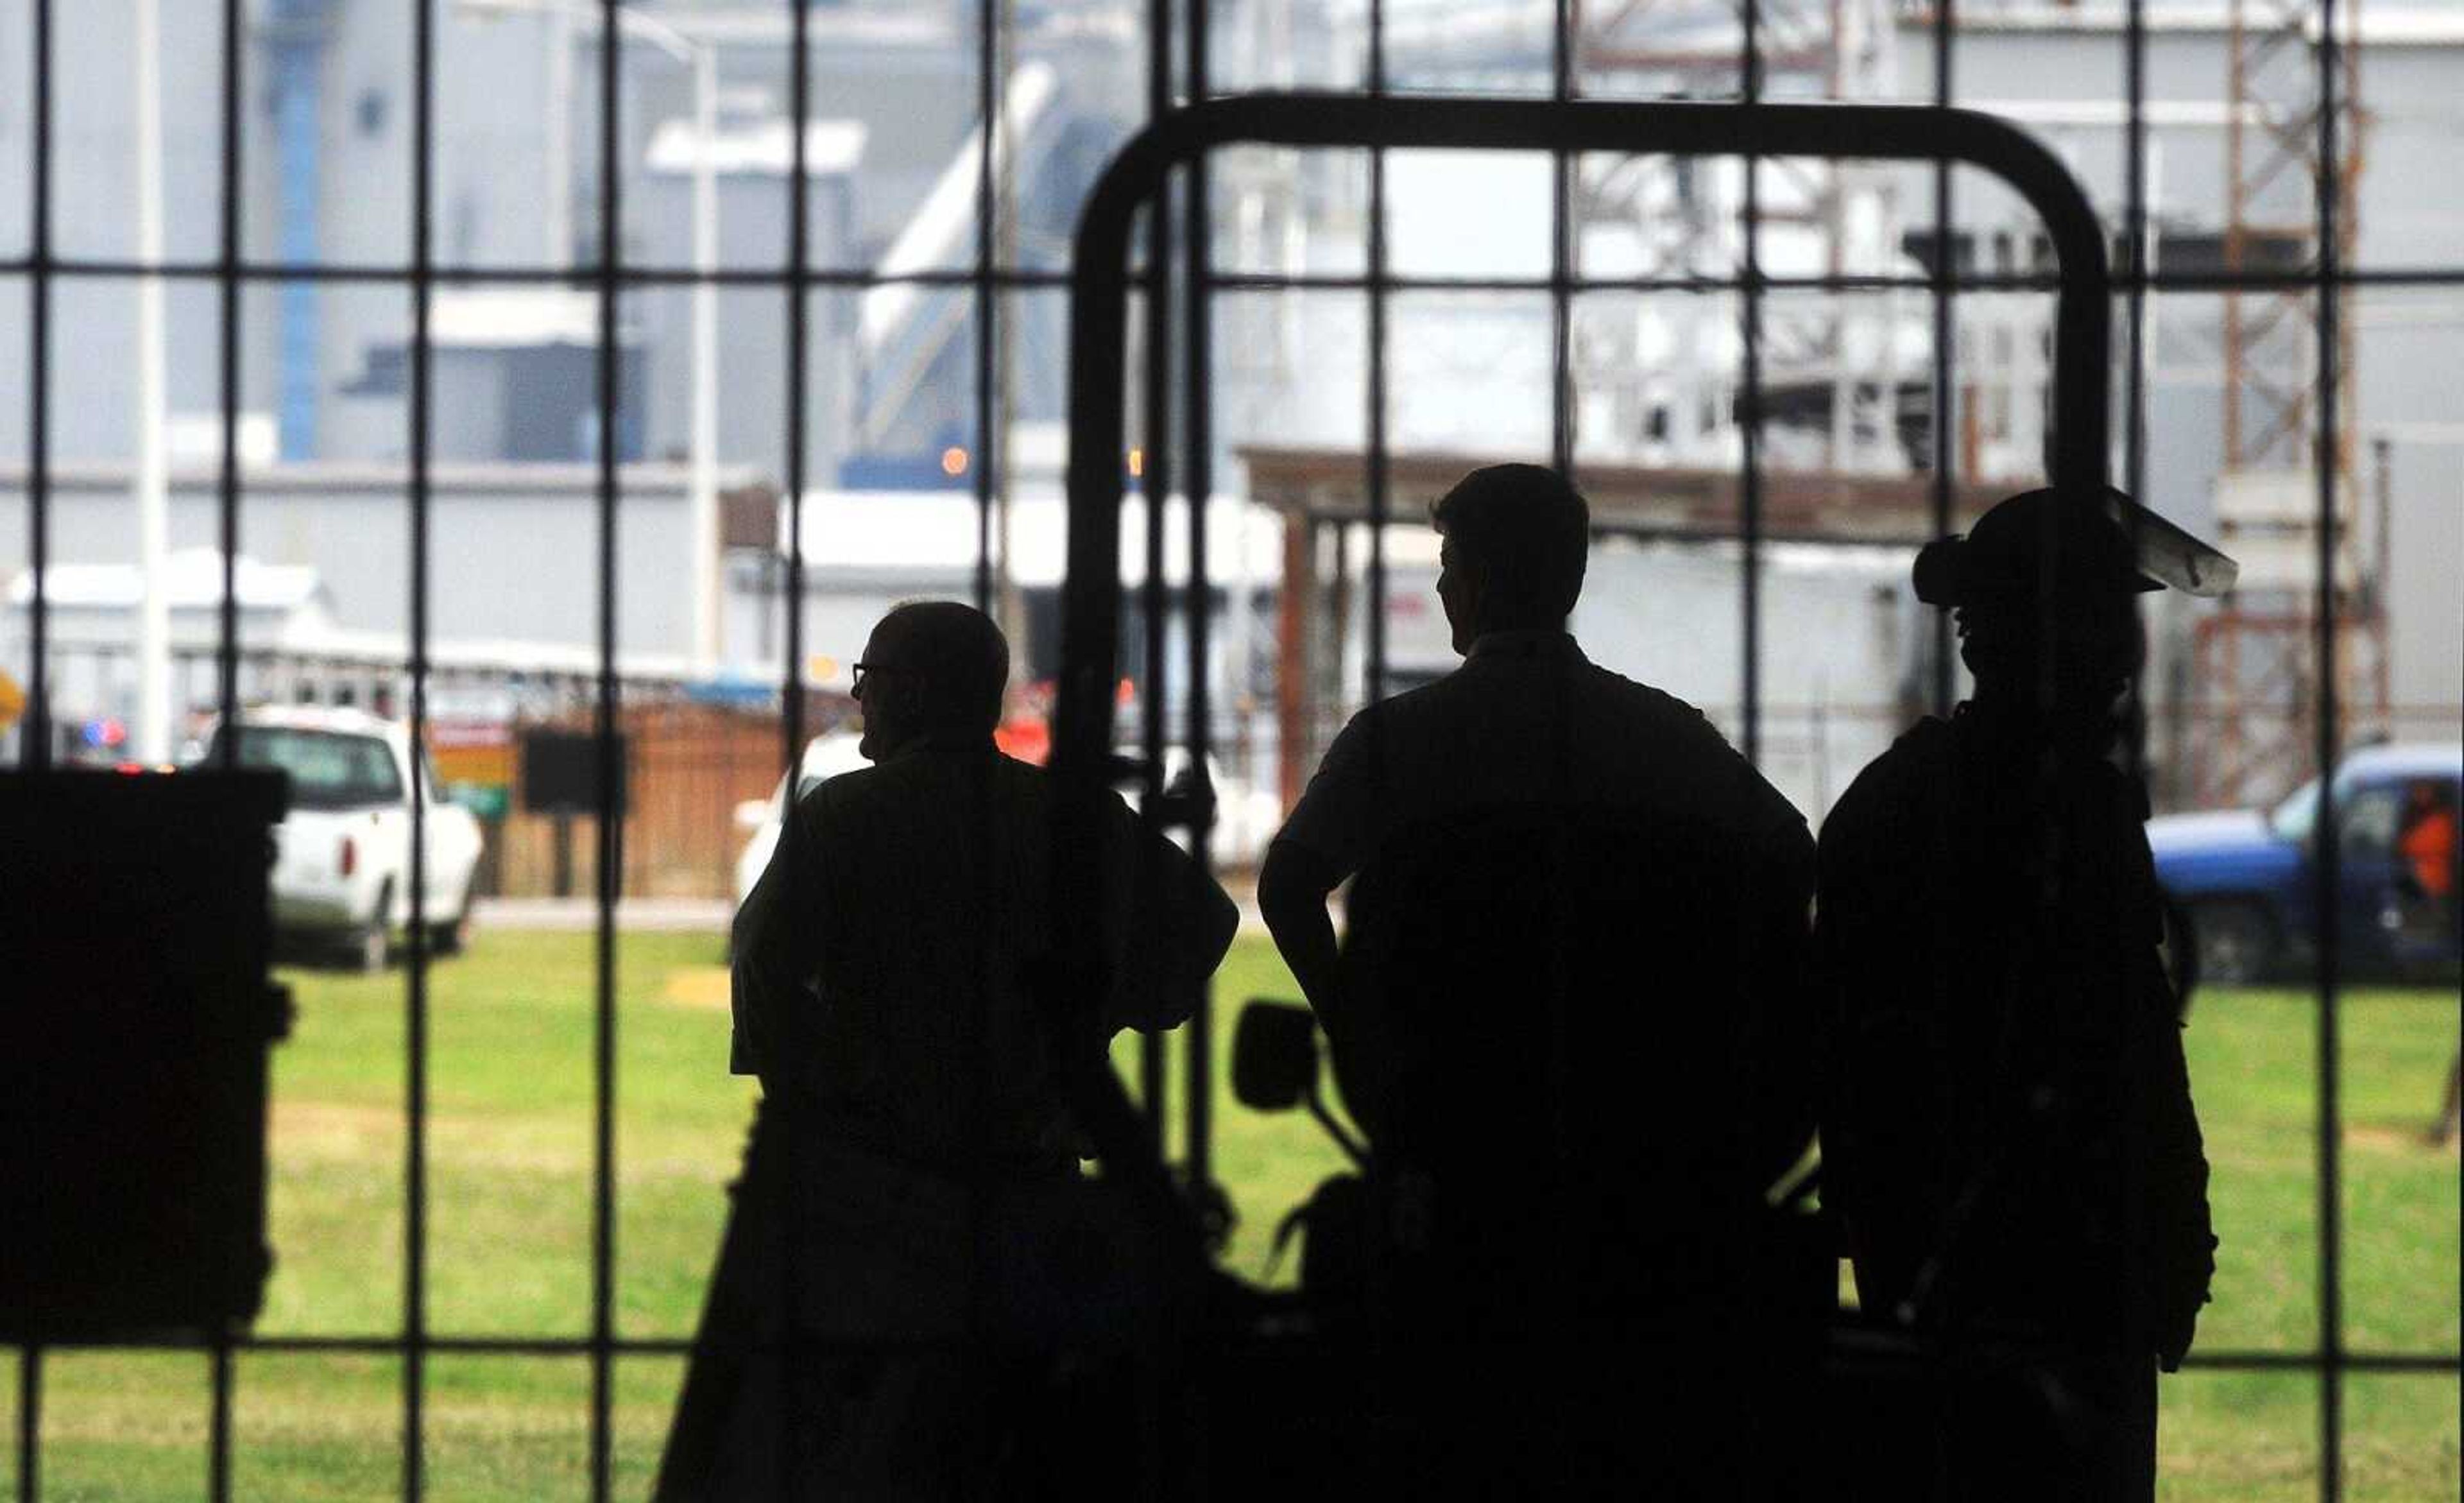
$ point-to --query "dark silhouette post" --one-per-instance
(2008, 1138)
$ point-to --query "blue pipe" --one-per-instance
(297, 39)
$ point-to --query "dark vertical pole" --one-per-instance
(798, 253)
(35, 739)
(986, 445)
(610, 871)
(2328, 894)
(1943, 400)
(2134, 255)
(30, 1409)
(784, 1235)
(1561, 256)
(1750, 425)
(414, 1226)
(2134, 267)
(1375, 380)
(1154, 484)
(1198, 439)
(227, 273)
(218, 1423)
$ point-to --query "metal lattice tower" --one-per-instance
(2258, 657)
(1829, 362)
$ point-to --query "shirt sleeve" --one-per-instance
(1333, 819)
(1176, 923)
(2179, 1223)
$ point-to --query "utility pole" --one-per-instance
(704, 508)
(1007, 601)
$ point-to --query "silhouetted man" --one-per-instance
(2010, 1144)
(1568, 1015)
(913, 1127)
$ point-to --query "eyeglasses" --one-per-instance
(859, 673)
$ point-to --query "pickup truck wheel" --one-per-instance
(374, 942)
(452, 936)
(2235, 943)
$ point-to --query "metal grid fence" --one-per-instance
(1179, 221)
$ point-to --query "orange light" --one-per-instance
(953, 461)
(1138, 462)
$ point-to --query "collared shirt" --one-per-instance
(1441, 801)
(1527, 719)
(881, 980)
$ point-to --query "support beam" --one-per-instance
(1294, 610)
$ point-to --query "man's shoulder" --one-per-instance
(1654, 708)
(926, 775)
(1642, 725)
(1681, 733)
(1916, 764)
(1440, 695)
(1418, 709)
(854, 790)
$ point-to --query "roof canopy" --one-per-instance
(1649, 502)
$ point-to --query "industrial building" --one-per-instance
(895, 167)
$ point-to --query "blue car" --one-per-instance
(2242, 884)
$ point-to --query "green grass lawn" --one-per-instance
(510, 1228)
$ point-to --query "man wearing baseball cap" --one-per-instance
(2008, 1138)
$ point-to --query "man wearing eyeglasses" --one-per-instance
(913, 1127)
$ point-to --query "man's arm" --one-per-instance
(1292, 889)
(775, 947)
(2181, 1237)
(2182, 1234)
(1325, 840)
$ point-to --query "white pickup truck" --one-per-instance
(342, 872)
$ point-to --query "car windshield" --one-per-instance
(2293, 819)
(329, 770)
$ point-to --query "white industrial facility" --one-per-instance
(1851, 434)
